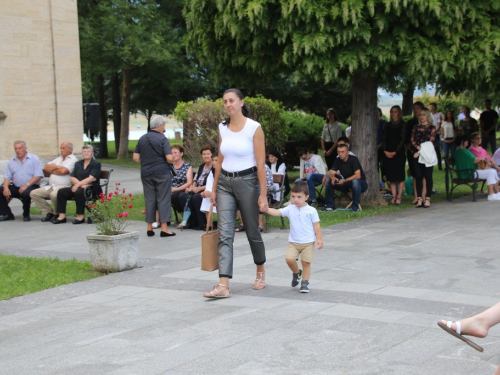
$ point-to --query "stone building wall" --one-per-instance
(40, 79)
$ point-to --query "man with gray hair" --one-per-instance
(154, 154)
(59, 170)
(22, 175)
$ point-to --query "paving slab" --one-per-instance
(375, 298)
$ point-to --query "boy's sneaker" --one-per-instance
(304, 286)
(296, 278)
(327, 209)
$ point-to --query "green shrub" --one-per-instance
(201, 119)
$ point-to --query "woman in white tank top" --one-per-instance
(239, 183)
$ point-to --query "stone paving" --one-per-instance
(377, 290)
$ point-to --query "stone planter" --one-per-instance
(114, 253)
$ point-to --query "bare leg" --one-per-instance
(306, 270)
(497, 372)
(401, 187)
(292, 264)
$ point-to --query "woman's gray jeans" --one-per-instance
(235, 193)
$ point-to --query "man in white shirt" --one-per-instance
(59, 170)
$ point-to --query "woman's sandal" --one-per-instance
(393, 200)
(457, 334)
(420, 203)
(427, 203)
(217, 293)
(397, 202)
(240, 228)
(259, 282)
(414, 201)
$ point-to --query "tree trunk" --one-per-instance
(408, 99)
(103, 118)
(126, 89)
(364, 132)
(117, 108)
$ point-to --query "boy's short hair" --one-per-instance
(215, 154)
(300, 187)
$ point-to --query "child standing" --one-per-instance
(304, 232)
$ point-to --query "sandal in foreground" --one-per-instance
(397, 202)
(240, 228)
(259, 282)
(447, 328)
(217, 293)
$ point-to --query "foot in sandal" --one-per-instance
(219, 291)
(260, 282)
(466, 326)
(427, 203)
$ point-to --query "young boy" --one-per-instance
(304, 232)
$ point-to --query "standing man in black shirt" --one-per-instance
(153, 153)
(346, 175)
(489, 121)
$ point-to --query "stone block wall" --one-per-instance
(40, 79)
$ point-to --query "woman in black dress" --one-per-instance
(393, 145)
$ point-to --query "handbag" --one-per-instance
(209, 242)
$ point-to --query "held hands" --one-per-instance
(263, 205)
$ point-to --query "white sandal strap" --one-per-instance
(459, 328)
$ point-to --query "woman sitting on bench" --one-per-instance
(86, 174)
(466, 160)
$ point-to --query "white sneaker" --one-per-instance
(494, 197)
(155, 225)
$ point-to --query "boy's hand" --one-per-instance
(320, 244)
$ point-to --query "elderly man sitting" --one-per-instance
(22, 175)
(59, 170)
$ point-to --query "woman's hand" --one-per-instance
(263, 205)
(416, 155)
(74, 188)
(213, 198)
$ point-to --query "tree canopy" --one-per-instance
(370, 41)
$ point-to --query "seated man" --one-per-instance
(346, 175)
(59, 170)
(24, 171)
(313, 170)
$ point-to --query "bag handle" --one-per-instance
(210, 222)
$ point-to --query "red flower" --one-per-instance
(110, 194)
(131, 199)
(109, 198)
(129, 194)
(116, 193)
(143, 211)
(89, 206)
(124, 206)
(130, 205)
(94, 205)
(123, 191)
(120, 215)
(125, 214)
(102, 200)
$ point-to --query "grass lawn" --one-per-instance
(22, 275)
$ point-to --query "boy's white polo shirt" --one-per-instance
(301, 223)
